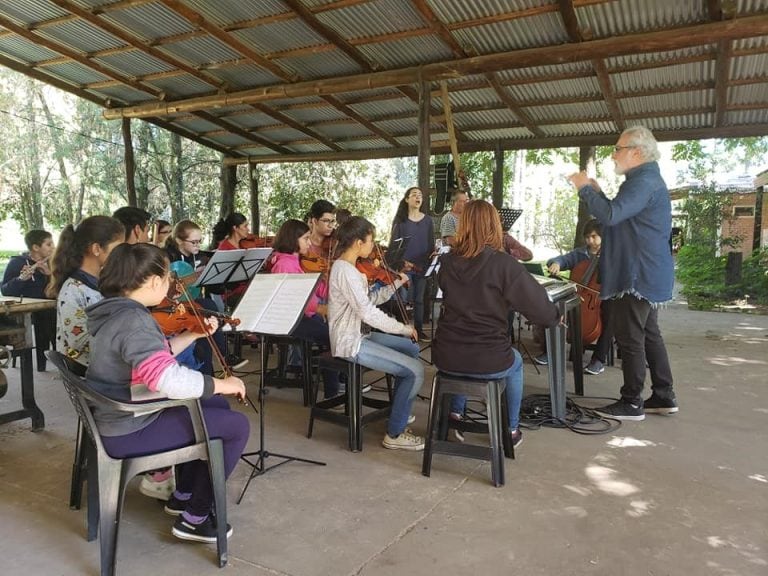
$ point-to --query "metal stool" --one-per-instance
(353, 401)
(492, 391)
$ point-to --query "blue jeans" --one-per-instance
(514, 389)
(398, 356)
(415, 295)
(315, 329)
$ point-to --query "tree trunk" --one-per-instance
(253, 186)
(33, 206)
(228, 179)
(425, 100)
(143, 137)
(58, 151)
(733, 268)
(177, 182)
(498, 177)
(586, 162)
(130, 163)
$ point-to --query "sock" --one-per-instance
(192, 519)
(161, 475)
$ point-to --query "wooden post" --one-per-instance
(452, 135)
(425, 98)
(228, 179)
(130, 162)
(586, 162)
(253, 186)
(498, 177)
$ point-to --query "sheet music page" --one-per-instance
(286, 309)
(274, 303)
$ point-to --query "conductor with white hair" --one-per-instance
(636, 270)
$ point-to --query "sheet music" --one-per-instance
(274, 303)
(434, 266)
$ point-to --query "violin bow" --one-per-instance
(398, 299)
(211, 342)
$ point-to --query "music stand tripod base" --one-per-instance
(259, 466)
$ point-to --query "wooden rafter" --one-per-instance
(229, 127)
(630, 44)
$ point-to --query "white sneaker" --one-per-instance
(159, 490)
(457, 434)
(405, 441)
(411, 419)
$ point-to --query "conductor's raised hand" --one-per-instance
(579, 179)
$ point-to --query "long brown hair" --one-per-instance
(479, 226)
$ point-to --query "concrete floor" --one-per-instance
(671, 495)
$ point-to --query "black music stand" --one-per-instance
(509, 216)
(272, 306)
(227, 267)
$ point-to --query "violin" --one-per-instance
(321, 262)
(253, 241)
(376, 271)
(174, 317)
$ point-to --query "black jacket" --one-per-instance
(478, 294)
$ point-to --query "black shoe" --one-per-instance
(423, 337)
(174, 506)
(516, 438)
(656, 405)
(622, 410)
(203, 532)
(541, 359)
(235, 362)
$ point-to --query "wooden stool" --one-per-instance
(353, 401)
(492, 391)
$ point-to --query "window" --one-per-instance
(743, 211)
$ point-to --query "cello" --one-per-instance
(585, 276)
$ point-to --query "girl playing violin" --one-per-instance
(227, 234)
(291, 242)
(131, 359)
(393, 350)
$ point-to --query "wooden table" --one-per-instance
(16, 331)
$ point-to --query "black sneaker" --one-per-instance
(656, 405)
(516, 438)
(235, 362)
(174, 506)
(541, 359)
(622, 410)
(423, 337)
(203, 532)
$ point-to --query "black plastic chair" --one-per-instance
(108, 477)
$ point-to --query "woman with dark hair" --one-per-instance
(161, 232)
(414, 225)
(132, 360)
(393, 350)
(292, 241)
(228, 232)
(481, 283)
(77, 262)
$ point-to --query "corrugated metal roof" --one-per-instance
(24, 50)
(372, 18)
(225, 12)
(542, 30)
(671, 88)
(612, 18)
(670, 76)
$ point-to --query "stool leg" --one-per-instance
(426, 464)
(354, 397)
(509, 450)
(494, 425)
(306, 370)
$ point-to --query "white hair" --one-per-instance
(642, 138)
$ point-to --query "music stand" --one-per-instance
(272, 305)
(509, 216)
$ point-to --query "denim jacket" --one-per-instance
(637, 223)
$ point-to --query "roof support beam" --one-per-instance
(630, 44)
(525, 144)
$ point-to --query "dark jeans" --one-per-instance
(414, 294)
(603, 343)
(173, 429)
(314, 329)
(637, 333)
